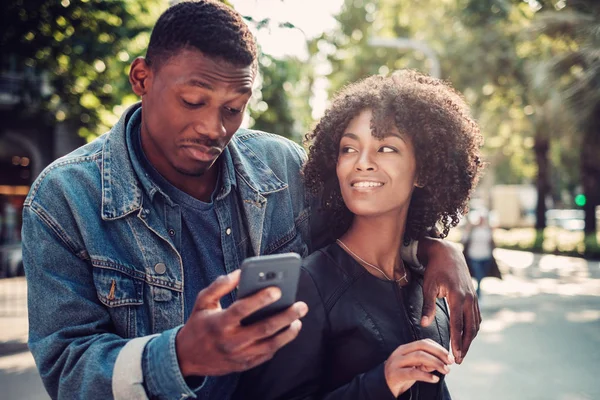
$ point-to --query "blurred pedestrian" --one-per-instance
(478, 241)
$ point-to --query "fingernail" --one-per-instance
(424, 321)
(458, 357)
(435, 378)
(275, 293)
(302, 309)
(296, 325)
(451, 359)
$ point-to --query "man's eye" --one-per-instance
(387, 149)
(192, 105)
(347, 149)
(233, 110)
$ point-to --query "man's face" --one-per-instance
(191, 107)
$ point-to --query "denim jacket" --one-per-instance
(104, 275)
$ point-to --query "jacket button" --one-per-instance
(228, 231)
(160, 268)
(171, 232)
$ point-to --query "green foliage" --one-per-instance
(271, 108)
(84, 47)
(280, 103)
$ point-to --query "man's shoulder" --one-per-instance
(75, 169)
(268, 145)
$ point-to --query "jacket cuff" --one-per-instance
(409, 254)
(376, 385)
(161, 369)
(128, 375)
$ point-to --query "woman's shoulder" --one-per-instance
(324, 270)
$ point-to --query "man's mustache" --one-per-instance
(220, 144)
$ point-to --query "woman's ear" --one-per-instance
(140, 75)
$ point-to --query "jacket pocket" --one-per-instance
(121, 292)
(116, 288)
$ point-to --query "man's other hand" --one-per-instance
(447, 275)
(213, 342)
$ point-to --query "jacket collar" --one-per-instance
(122, 191)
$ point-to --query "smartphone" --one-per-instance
(281, 270)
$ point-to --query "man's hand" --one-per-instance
(447, 275)
(214, 343)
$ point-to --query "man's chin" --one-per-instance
(196, 172)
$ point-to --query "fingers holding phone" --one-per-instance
(215, 342)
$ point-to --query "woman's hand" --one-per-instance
(413, 362)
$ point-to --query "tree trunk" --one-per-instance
(541, 148)
(590, 178)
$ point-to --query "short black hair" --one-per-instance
(209, 26)
(445, 138)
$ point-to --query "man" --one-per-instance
(131, 243)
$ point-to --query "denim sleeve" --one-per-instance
(162, 376)
(409, 254)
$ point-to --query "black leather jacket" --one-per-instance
(355, 321)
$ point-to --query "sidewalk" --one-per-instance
(13, 316)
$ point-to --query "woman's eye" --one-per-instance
(387, 149)
(348, 150)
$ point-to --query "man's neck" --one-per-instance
(200, 187)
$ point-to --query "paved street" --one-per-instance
(540, 338)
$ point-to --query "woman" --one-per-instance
(391, 158)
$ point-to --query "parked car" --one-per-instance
(572, 220)
(11, 260)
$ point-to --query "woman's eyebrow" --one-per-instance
(397, 135)
(350, 135)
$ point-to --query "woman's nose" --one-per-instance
(365, 163)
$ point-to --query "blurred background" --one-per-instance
(530, 69)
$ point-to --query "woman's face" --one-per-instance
(376, 176)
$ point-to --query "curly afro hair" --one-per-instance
(210, 26)
(445, 138)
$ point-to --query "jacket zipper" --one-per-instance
(414, 390)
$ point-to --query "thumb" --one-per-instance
(210, 297)
(429, 297)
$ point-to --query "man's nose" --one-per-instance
(211, 125)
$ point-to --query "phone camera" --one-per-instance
(271, 275)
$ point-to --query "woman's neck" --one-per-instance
(377, 240)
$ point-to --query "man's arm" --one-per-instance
(71, 334)
(446, 275)
(79, 354)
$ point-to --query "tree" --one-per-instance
(577, 67)
(84, 47)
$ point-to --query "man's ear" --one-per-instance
(140, 76)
